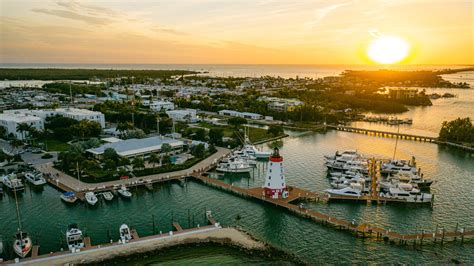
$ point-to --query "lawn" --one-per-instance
(255, 134)
(55, 145)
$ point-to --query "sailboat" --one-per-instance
(22, 244)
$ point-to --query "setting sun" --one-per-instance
(388, 50)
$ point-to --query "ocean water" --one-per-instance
(236, 70)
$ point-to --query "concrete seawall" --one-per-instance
(208, 234)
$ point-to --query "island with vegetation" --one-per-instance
(459, 131)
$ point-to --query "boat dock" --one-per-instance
(65, 182)
(116, 248)
(358, 230)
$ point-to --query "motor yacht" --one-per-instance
(234, 165)
(354, 190)
(125, 234)
(35, 178)
(74, 238)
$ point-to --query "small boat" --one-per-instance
(35, 178)
(125, 234)
(74, 238)
(22, 244)
(412, 196)
(123, 191)
(69, 197)
(108, 196)
(91, 198)
(13, 183)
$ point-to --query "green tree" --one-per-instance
(110, 154)
(110, 165)
(138, 163)
(275, 130)
(153, 159)
(166, 160)
(200, 134)
(198, 150)
(166, 148)
(458, 130)
(23, 128)
(236, 121)
(216, 135)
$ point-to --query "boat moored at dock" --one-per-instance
(69, 197)
(35, 178)
(13, 183)
(125, 234)
(124, 192)
(74, 238)
(91, 198)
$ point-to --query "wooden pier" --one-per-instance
(358, 230)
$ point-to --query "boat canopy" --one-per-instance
(69, 194)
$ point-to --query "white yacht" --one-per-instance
(354, 190)
(253, 151)
(395, 166)
(68, 197)
(352, 153)
(125, 234)
(91, 198)
(35, 178)
(123, 191)
(412, 196)
(74, 238)
(13, 183)
(234, 165)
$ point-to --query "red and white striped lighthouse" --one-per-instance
(275, 184)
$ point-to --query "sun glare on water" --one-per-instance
(388, 50)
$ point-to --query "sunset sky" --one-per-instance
(232, 31)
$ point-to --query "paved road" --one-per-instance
(77, 185)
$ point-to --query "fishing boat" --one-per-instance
(91, 198)
(68, 197)
(13, 183)
(74, 238)
(22, 244)
(125, 234)
(35, 178)
(123, 191)
(234, 165)
(108, 196)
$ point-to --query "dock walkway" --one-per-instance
(359, 230)
(66, 182)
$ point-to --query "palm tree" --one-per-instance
(138, 163)
(23, 128)
(153, 159)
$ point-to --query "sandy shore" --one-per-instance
(211, 234)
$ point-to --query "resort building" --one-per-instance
(247, 115)
(402, 93)
(281, 104)
(161, 105)
(11, 119)
(131, 148)
(186, 115)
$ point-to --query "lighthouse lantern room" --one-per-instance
(275, 184)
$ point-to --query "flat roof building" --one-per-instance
(248, 115)
(138, 147)
(185, 115)
(10, 121)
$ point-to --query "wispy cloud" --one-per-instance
(321, 13)
(168, 31)
(74, 16)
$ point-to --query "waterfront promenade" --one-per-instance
(66, 182)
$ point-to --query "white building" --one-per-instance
(82, 114)
(161, 105)
(185, 115)
(138, 147)
(10, 120)
(248, 115)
